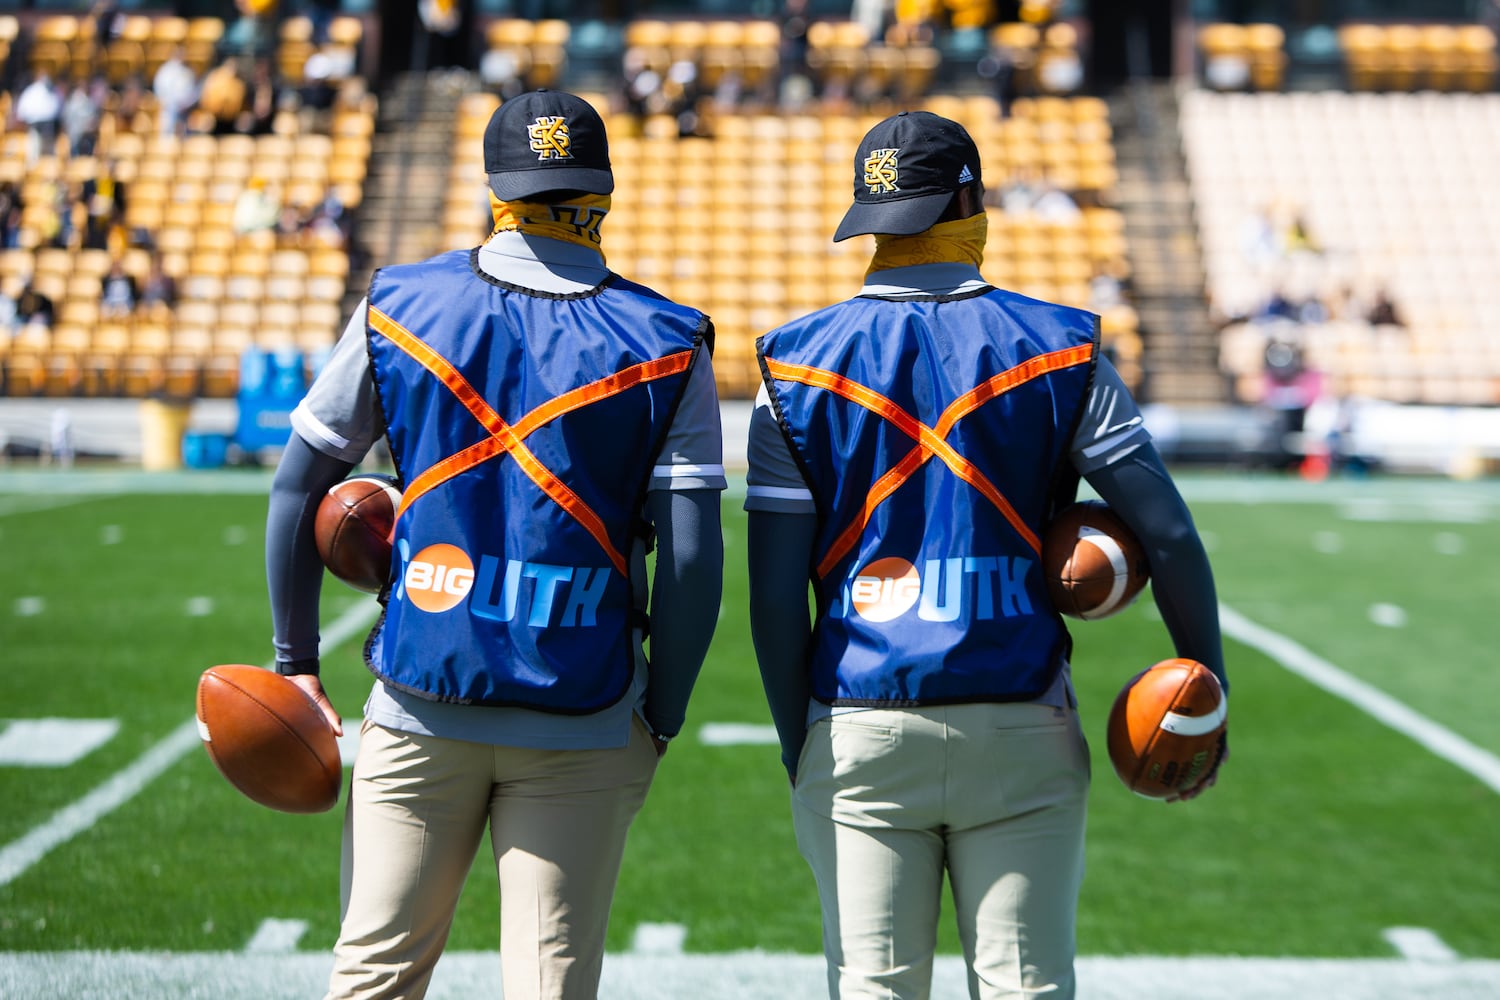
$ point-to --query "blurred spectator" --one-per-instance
(1027, 193)
(500, 73)
(290, 226)
(1052, 204)
(1289, 388)
(176, 88)
(10, 215)
(1258, 243)
(104, 197)
(109, 22)
(794, 24)
(1106, 290)
(1296, 299)
(681, 91)
(60, 437)
(257, 208)
(33, 308)
(10, 321)
(998, 66)
(317, 91)
(328, 223)
(118, 295)
(61, 222)
(873, 15)
(221, 98)
(38, 107)
(320, 14)
(253, 33)
(159, 290)
(262, 97)
(642, 83)
(129, 101)
(1383, 311)
(81, 111)
(1296, 237)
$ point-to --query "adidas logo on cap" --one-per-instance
(966, 175)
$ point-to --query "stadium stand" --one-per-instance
(1330, 184)
(1370, 201)
(227, 238)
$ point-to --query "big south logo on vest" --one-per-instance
(442, 576)
(884, 589)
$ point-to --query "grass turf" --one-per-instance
(1326, 826)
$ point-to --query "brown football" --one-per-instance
(353, 530)
(268, 737)
(1093, 563)
(1164, 728)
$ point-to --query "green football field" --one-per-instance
(1362, 795)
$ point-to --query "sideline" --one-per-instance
(745, 975)
(68, 822)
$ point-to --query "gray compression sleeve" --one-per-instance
(1141, 491)
(781, 547)
(685, 592)
(294, 571)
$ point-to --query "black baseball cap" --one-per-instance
(546, 140)
(906, 170)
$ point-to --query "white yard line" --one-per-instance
(52, 742)
(276, 937)
(1376, 703)
(1419, 944)
(746, 975)
(26, 503)
(658, 939)
(731, 734)
(19, 855)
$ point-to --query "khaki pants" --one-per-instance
(417, 808)
(995, 793)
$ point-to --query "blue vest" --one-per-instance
(934, 434)
(524, 427)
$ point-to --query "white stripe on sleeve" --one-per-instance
(304, 420)
(778, 493)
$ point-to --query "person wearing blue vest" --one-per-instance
(906, 450)
(549, 421)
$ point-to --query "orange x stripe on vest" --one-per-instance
(509, 439)
(931, 441)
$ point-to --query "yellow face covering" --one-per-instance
(574, 221)
(958, 242)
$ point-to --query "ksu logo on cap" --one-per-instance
(550, 139)
(881, 171)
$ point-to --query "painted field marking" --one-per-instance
(731, 734)
(29, 607)
(52, 742)
(1419, 944)
(199, 607)
(111, 534)
(740, 975)
(349, 742)
(276, 937)
(65, 824)
(1376, 703)
(1447, 543)
(658, 939)
(1387, 615)
(1435, 510)
(27, 503)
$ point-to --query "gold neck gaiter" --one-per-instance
(958, 242)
